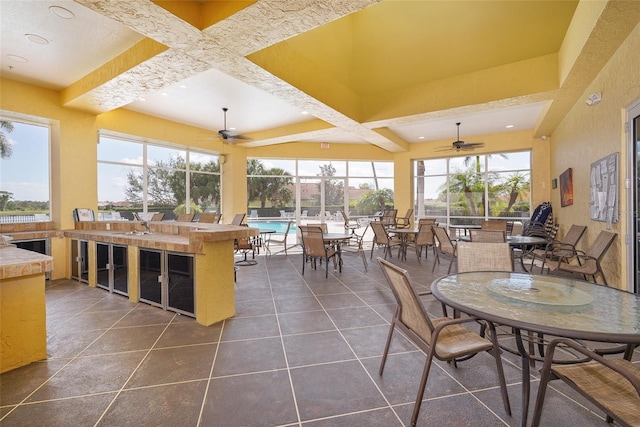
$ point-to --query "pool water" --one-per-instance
(279, 226)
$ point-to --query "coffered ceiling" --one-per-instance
(388, 73)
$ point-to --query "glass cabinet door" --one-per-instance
(180, 283)
(120, 269)
(102, 265)
(150, 276)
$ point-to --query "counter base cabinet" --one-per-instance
(112, 265)
(167, 280)
(23, 327)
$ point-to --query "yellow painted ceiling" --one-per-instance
(398, 44)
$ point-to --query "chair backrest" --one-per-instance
(425, 235)
(496, 236)
(444, 241)
(312, 240)
(484, 256)
(286, 232)
(407, 216)
(186, 217)
(238, 218)
(496, 224)
(380, 233)
(599, 246)
(157, 216)
(412, 312)
(254, 213)
(431, 221)
(244, 242)
(389, 217)
(209, 217)
(574, 234)
(322, 225)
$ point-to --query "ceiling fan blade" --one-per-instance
(472, 145)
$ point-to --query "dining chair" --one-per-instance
(238, 218)
(405, 221)
(322, 225)
(445, 245)
(185, 217)
(442, 338)
(484, 256)
(388, 217)
(588, 263)
(494, 224)
(355, 246)
(209, 218)
(381, 238)
(564, 247)
(279, 239)
(245, 245)
(487, 235)
(349, 224)
(424, 239)
(431, 221)
(313, 248)
(613, 385)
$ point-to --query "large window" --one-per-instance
(318, 189)
(464, 190)
(24, 172)
(142, 177)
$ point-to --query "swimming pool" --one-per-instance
(278, 225)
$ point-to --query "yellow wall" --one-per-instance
(585, 135)
(589, 133)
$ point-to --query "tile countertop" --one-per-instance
(172, 236)
(16, 262)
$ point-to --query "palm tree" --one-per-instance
(515, 186)
(5, 144)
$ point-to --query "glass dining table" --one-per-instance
(548, 305)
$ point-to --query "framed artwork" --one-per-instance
(554, 183)
(566, 188)
(603, 197)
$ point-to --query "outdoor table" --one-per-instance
(557, 306)
(337, 239)
(403, 234)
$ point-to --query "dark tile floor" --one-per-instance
(302, 350)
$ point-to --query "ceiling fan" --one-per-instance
(229, 135)
(461, 145)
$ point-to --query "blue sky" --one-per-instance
(26, 172)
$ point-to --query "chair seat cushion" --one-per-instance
(605, 386)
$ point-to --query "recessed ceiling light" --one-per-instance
(305, 112)
(36, 39)
(141, 99)
(509, 126)
(421, 137)
(183, 86)
(232, 128)
(61, 12)
(164, 94)
(18, 58)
